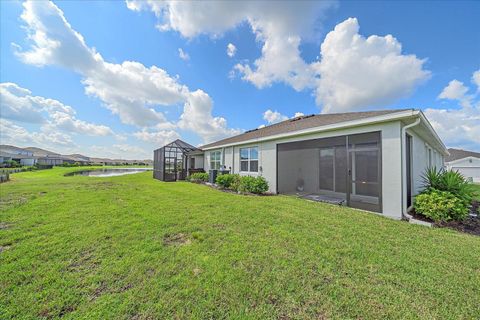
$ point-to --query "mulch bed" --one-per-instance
(216, 187)
(470, 225)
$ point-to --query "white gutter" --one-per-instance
(404, 164)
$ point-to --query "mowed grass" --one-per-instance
(134, 247)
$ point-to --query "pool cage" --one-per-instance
(170, 161)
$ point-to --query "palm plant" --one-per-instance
(447, 180)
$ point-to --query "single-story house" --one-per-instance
(465, 162)
(51, 160)
(25, 159)
(368, 160)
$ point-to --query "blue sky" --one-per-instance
(107, 78)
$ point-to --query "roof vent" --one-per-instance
(301, 117)
(251, 130)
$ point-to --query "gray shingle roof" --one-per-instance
(456, 154)
(300, 123)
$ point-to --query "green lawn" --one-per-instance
(133, 247)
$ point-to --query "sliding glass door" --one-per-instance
(344, 167)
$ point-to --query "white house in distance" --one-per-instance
(465, 162)
(367, 160)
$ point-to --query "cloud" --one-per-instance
(458, 127)
(131, 90)
(279, 28)
(347, 58)
(18, 104)
(456, 90)
(476, 79)
(273, 116)
(357, 72)
(298, 114)
(231, 50)
(183, 55)
(197, 117)
(157, 138)
(119, 151)
(10, 133)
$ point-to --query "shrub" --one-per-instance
(250, 184)
(449, 181)
(228, 181)
(441, 205)
(198, 177)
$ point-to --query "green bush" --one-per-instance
(250, 184)
(441, 205)
(449, 181)
(198, 177)
(228, 181)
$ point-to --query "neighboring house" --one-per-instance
(51, 160)
(369, 160)
(465, 162)
(4, 157)
(23, 158)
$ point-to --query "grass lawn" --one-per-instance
(134, 247)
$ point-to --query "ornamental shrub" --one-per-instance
(448, 180)
(228, 181)
(441, 205)
(250, 184)
(198, 177)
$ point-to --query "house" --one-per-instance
(465, 162)
(23, 158)
(367, 160)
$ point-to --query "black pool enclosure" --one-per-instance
(170, 161)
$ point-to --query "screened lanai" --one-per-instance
(345, 169)
(170, 161)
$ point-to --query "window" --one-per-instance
(249, 159)
(215, 160)
(192, 163)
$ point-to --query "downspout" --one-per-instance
(404, 165)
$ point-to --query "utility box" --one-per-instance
(212, 175)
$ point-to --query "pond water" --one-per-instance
(110, 172)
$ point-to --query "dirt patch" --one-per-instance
(100, 186)
(176, 239)
(4, 248)
(219, 226)
(85, 261)
(12, 201)
(4, 226)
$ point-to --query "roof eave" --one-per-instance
(341, 125)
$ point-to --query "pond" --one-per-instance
(110, 172)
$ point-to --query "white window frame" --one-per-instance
(249, 159)
(218, 161)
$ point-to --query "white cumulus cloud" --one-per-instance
(231, 50)
(197, 116)
(458, 127)
(357, 72)
(354, 72)
(11, 133)
(183, 55)
(18, 104)
(278, 27)
(273, 116)
(131, 90)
